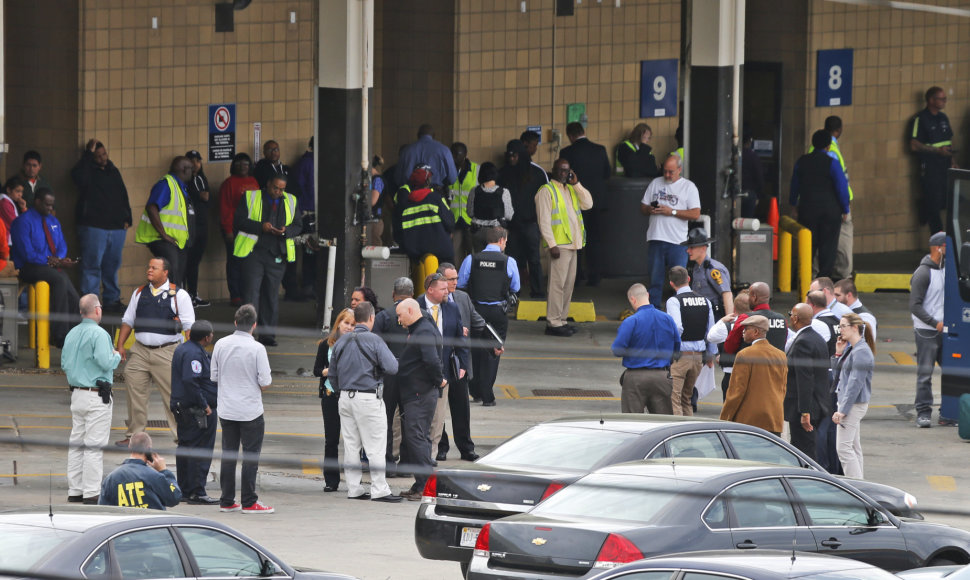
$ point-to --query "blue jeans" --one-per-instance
(100, 260)
(662, 256)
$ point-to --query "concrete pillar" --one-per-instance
(346, 32)
(713, 116)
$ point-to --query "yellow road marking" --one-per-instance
(311, 468)
(902, 358)
(510, 391)
(942, 482)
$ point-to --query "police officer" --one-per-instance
(693, 316)
(164, 224)
(458, 198)
(708, 277)
(142, 481)
(490, 278)
(266, 227)
(158, 312)
(193, 402)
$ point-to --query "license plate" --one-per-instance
(469, 536)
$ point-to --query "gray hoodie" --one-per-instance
(926, 294)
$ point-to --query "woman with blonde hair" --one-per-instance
(853, 378)
(328, 399)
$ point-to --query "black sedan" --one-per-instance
(754, 565)
(626, 512)
(108, 542)
(547, 457)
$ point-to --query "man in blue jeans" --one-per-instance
(670, 201)
(103, 216)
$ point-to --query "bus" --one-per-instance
(955, 358)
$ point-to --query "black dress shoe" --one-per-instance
(388, 498)
(91, 500)
(558, 331)
(364, 495)
(267, 341)
(441, 456)
(470, 456)
(74, 499)
(571, 329)
(202, 500)
(329, 488)
(476, 399)
(488, 404)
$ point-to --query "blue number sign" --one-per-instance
(834, 78)
(658, 88)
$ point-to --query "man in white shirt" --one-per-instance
(670, 201)
(827, 287)
(847, 294)
(159, 313)
(241, 370)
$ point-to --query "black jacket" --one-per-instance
(102, 199)
(637, 164)
(523, 180)
(454, 342)
(808, 377)
(591, 165)
(419, 369)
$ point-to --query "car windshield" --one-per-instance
(557, 447)
(614, 497)
(25, 546)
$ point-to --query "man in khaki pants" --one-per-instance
(158, 312)
(559, 207)
(694, 317)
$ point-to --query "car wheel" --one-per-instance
(941, 562)
(464, 569)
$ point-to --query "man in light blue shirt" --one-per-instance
(88, 357)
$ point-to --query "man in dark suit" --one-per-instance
(807, 396)
(592, 165)
(455, 356)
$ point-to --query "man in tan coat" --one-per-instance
(756, 395)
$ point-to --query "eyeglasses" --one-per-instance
(453, 279)
(841, 325)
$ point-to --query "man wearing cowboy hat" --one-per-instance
(708, 277)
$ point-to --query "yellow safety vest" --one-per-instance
(834, 148)
(619, 166)
(245, 242)
(459, 194)
(174, 217)
(420, 215)
(559, 217)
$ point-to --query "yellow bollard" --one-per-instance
(31, 316)
(784, 260)
(43, 297)
(430, 262)
(804, 262)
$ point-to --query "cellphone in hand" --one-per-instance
(655, 203)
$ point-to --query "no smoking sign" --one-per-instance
(222, 132)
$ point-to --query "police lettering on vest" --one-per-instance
(155, 314)
(777, 328)
(694, 310)
(488, 279)
(832, 322)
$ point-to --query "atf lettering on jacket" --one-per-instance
(132, 494)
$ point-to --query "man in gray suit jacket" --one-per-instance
(471, 322)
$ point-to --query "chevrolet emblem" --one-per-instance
(484, 487)
(538, 541)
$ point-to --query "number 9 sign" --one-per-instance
(658, 88)
(834, 78)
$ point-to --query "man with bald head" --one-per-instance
(759, 295)
(807, 397)
(420, 382)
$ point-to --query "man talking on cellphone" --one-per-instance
(142, 481)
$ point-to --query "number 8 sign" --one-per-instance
(658, 88)
(833, 86)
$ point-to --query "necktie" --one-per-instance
(434, 313)
(49, 236)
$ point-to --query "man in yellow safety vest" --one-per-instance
(164, 224)
(265, 242)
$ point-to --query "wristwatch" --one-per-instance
(673, 212)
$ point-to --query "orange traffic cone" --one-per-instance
(773, 221)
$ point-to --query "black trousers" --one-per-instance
(525, 239)
(63, 300)
(176, 259)
(825, 238)
(248, 434)
(194, 256)
(233, 272)
(484, 361)
(590, 257)
(803, 440)
(417, 413)
(262, 275)
(392, 402)
(191, 472)
(460, 419)
(331, 439)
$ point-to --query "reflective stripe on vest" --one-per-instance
(559, 218)
(245, 242)
(174, 218)
(619, 166)
(458, 194)
(424, 214)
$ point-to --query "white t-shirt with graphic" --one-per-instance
(680, 195)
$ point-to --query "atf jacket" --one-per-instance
(926, 294)
(420, 367)
(135, 484)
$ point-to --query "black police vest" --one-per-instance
(489, 278)
(861, 310)
(693, 316)
(489, 205)
(832, 322)
(154, 313)
(777, 328)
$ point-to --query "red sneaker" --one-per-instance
(258, 508)
(235, 507)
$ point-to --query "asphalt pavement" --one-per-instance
(540, 378)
